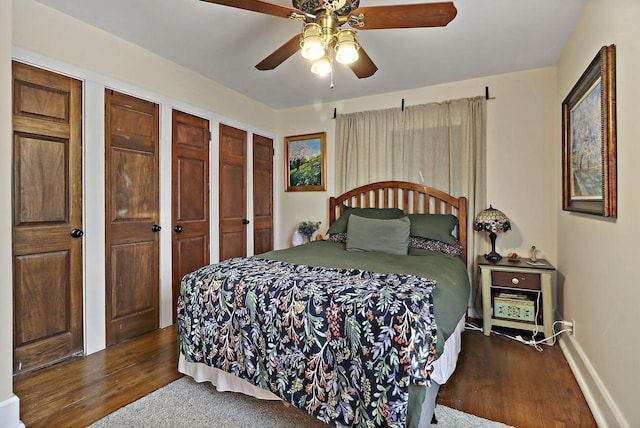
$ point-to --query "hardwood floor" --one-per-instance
(78, 392)
(506, 381)
(496, 378)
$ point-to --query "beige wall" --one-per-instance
(595, 255)
(6, 287)
(521, 144)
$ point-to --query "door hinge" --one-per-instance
(209, 136)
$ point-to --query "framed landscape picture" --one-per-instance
(306, 162)
(589, 167)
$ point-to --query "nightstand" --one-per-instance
(518, 295)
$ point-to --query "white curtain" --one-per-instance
(367, 145)
(441, 145)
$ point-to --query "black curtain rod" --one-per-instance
(486, 95)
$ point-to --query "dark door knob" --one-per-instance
(76, 233)
(156, 228)
(245, 221)
(178, 229)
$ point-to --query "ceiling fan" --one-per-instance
(323, 37)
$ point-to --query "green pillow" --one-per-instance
(433, 226)
(370, 234)
(340, 225)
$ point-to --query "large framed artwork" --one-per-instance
(306, 159)
(589, 139)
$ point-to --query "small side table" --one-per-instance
(518, 295)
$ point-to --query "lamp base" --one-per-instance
(493, 256)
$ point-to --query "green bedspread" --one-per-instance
(452, 282)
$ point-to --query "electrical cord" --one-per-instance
(469, 326)
(535, 343)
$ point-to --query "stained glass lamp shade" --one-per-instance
(493, 221)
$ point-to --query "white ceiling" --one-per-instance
(486, 37)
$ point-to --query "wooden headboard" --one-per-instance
(412, 198)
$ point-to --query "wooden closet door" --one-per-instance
(190, 181)
(233, 192)
(47, 217)
(262, 194)
(132, 242)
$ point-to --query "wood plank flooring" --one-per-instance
(506, 381)
(78, 392)
(496, 378)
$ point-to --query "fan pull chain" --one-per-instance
(331, 77)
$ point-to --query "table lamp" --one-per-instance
(492, 221)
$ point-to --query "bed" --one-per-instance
(360, 329)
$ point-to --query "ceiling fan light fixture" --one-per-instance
(347, 47)
(312, 43)
(321, 66)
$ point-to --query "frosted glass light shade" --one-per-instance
(347, 47)
(311, 44)
(321, 66)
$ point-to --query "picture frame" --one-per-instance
(305, 162)
(589, 154)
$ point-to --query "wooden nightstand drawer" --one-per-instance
(529, 281)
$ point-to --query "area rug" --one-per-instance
(186, 403)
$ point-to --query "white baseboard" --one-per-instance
(604, 409)
(10, 413)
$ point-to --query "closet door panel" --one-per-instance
(47, 207)
(262, 194)
(132, 211)
(190, 193)
(233, 192)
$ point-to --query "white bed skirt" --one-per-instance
(443, 367)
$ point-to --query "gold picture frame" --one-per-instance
(306, 162)
(589, 157)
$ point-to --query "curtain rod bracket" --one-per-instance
(486, 94)
(402, 106)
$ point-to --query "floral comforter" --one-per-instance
(342, 344)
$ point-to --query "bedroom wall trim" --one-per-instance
(602, 406)
(10, 413)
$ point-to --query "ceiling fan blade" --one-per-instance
(405, 15)
(280, 55)
(364, 66)
(258, 6)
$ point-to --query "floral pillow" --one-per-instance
(420, 243)
(338, 237)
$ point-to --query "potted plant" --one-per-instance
(308, 228)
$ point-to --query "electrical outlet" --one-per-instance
(570, 325)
